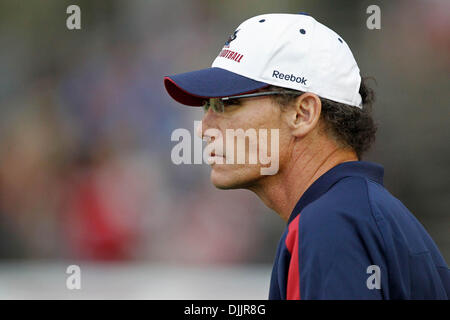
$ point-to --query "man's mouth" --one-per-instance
(213, 154)
(216, 158)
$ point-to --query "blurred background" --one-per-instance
(85, 126)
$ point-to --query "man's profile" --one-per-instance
(346, 237)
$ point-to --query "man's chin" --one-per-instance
(232, 180)
(223, 183)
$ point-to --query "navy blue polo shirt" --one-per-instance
(349, 238)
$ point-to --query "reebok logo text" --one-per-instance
(288, 77)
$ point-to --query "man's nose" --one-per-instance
(199, 130)
(205, 124)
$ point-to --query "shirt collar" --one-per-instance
(365, 169)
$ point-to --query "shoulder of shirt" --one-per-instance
(342, 217)
(349, 200)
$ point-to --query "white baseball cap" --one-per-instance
(286, 50)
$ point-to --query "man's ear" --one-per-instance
(304, 115)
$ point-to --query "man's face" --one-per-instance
(255, 117)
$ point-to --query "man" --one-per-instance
(347, 237)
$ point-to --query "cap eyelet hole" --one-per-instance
(302, 31)
(262, 20)
(340, 40)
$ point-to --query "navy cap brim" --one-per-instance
(193, 88)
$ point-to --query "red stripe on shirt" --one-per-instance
(293, 281)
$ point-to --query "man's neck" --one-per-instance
(282, 191)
